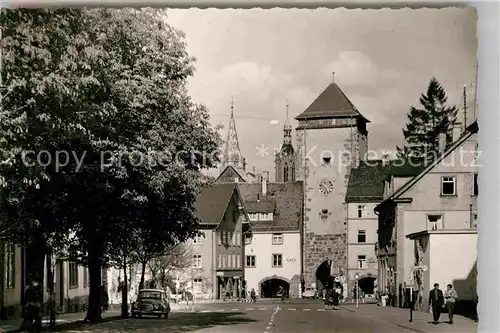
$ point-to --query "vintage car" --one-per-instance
(309, 293)
(151, 302)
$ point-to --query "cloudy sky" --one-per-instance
(383, 60)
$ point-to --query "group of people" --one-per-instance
(439, 300)
(331, 296)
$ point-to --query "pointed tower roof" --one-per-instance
(331, 103)
(287, 147)
(232, 153)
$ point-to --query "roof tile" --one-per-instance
(212, 202)
(332, 102)
(288, 198)
(366, 183)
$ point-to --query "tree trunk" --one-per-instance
(143, 273)
(125, 290)
(163, 278)
(35, 264)
(94, 306)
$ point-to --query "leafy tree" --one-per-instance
(425, 123)
(31, 119)
(106, 83)
(176, 259)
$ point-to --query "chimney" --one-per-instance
(253, 170)
(385, 159)
(442, 142)
(457, 131)
(265, 179)
(333, 77)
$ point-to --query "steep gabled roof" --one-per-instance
(366, 182)
(471, 130)
(212, 202)
(288, 198)
(227, 175)
(332, 102)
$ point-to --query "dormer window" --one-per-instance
(277, 239)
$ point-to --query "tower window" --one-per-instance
(327, 160)
(285, 173)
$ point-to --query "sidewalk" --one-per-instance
(422, 321)
(12, 325)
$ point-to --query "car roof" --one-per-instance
(157, 290)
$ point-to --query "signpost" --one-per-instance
(356, 277)
(422, 268)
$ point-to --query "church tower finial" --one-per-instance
(287, 129)
(232, 153)
(284, 163)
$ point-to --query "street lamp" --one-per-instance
(356, 277)
(422, 268)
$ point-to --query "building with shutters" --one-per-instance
(217, 255)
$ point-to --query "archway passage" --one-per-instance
(270, 288)
(367, 284)
(323, 276)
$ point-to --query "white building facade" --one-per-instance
(431, 221)
(273, 243)
(271, 256)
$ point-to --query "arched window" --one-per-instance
(293, 172)
(285, 173)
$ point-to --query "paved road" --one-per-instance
(291, 317)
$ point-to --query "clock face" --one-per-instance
(325, 187)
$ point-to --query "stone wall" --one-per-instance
(321, 248)
(325, 235)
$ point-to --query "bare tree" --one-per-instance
(177, 258)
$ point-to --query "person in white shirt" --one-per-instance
(450, 295)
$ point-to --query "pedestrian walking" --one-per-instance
(32, 308)
(450, 296)
(436, 302)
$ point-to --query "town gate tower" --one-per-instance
(331, 139)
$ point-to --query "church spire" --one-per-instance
(287, 128)
(232, 154)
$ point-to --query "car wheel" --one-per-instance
(166, 315)
(133, 315)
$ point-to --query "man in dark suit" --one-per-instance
(436, 302)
